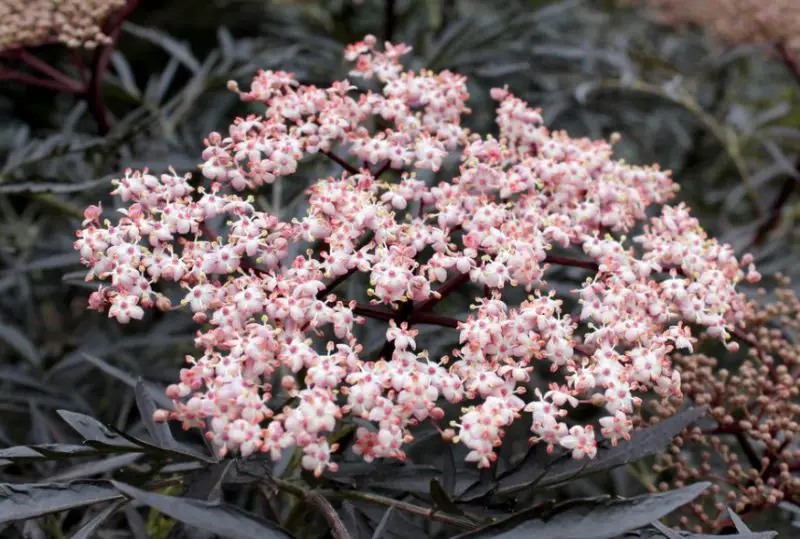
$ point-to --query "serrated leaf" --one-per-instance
(225, 520)
(14, 337)
(404, 477)
(20, 502)
(741, 527)
(172, 47)
(589, 519)
(449, 471)
(147, 406)
(442, 499)
(643, 443)
(94, 431)
(50, 187)
(125, 74)
(227, 44)
(97, 467)
(204, 484)
(46, 452)
(157, 394)
(89, 529)
(382, 525)
(669, 533)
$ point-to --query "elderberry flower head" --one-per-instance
(273, 321)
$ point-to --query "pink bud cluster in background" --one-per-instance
(75, 23)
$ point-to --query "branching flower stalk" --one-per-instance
(486, 230)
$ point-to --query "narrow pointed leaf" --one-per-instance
(147, 406)
(224, 520)
(442, 500)
(589, 519)
(89, 529)
(22, 453)
(20, 502)
(643, 443)
(94, 431)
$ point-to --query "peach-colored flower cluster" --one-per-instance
(737, 21)
(751, 451)
(75, 23)
(277, 323)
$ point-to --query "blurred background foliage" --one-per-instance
(725, 119)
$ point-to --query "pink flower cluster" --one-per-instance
(273, 324)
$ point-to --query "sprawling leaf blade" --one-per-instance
(642, 444)
(225, 520)
(89, 530)
(147, 406)
(20, 502)
(590, 519)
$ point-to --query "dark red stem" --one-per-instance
(42, 66)
(32, 80)
(100, 61)
(788, 60)
(341, 162)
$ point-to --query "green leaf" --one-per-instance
(225, 520)
(20, 502)
(589, 519)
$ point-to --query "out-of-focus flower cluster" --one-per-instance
(737, 21)
(751, 453)
(274, 324)
(75, 23)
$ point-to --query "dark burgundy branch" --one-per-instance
(341, 162)
(442, 292)
(388, 23)
(102, 57)
(789, 185)
(43, 67)
(434, 320)
(788, 60)
(572, 262)
(371, 311)
(31, 80)
(381, 169)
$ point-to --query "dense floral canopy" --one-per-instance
(272, 323)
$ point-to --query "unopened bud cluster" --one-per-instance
(751, 452)
(75, 23)
(737, 21)
(273, 326)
